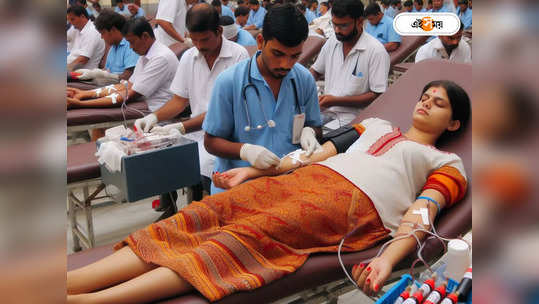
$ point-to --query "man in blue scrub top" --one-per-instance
(380, 27)
(257, 130)
(233, 33)
(465, 14)
(418, 7)
(121, 59)
(256, 16)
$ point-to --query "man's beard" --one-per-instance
(348, 37)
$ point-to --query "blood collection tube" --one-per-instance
(417, 298)
(451, 298)
(427, 286)
(403, 296)
(436, 295)
(465, 285)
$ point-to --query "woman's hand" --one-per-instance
(231, 178)
(372, 277)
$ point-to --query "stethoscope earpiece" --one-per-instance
(271, 123)
(247, 128)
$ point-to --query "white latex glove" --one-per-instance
(258, 156)
(308, 141)
(106, 74)
(145, 123)
(168, 129)
(87, 74)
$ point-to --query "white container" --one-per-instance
(458, 259)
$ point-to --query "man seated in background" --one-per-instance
(87, 47)
(446, 47)
(223, 10)
(392, 10)
(242, 14)
(439, 7)
(322, 25)
(465, 14)
(408, 6)
(121, 8)
(309, 16)
(135, 9)
(380, 27)
(256, 16)
(418, 7)
(235, 34)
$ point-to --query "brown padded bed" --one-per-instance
(408, 45)
(395, 105)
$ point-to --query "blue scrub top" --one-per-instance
(466, 18)
(383, 31)
(414, 10)
(390, 12)
(226, 11)
(245, 38)
(257, 18)
(121, 57)
(140, 13)
(309, 15)
(124, 12)
(227, 117)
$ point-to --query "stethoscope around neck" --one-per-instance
(269, 122)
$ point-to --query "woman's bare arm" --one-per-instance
(236, 176)
(371, 277)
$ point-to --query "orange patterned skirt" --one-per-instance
(260, 231)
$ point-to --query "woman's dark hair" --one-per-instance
(285, 23)
(460, 104)
(202, 17)
(351, 8)
(137, 26)
(109, 19)
(78, 11)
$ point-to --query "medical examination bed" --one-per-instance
(311, 48)
(322, 272)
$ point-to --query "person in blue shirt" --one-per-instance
(439, 7)
(136, 10)
(256, 16)
(233, 33)
(259, 103)
(121, 59)
(418, 7)
(223, 10)
(242, 15)
(465, 14)
(392, 10)
(408, 6)
(121, 8)
(380, 27)
(309, 16)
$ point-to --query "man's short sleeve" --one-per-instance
(88, 46)
(421, 54)
(180, 83)
(219, 120)
(167, 10)
(320, 64)
(312, 108)
(378, 71)
(152, 78)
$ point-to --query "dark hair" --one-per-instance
(202, 17)
(460, 104)
(81, 2)
(408, 3)
(239, 2)
(78, 11)
(324, 4)
(254, 2)
(109, 19)
(395, 2)
(301, 7)
(96, 5)
(137, 26)
(386, 2)
(463, 2)
(372, 9)
(420, 2)
(286, 24)
(430, 1)
(216, 3)
(226, 20)
(351, 8)
(241, 11)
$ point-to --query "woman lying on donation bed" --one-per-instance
(369, 179)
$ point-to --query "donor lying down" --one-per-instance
(372, 179)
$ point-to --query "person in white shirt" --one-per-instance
(193, 83)
(170, 19)
(151, 78)
(87, 48)
(451, 48)
(354, 63)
